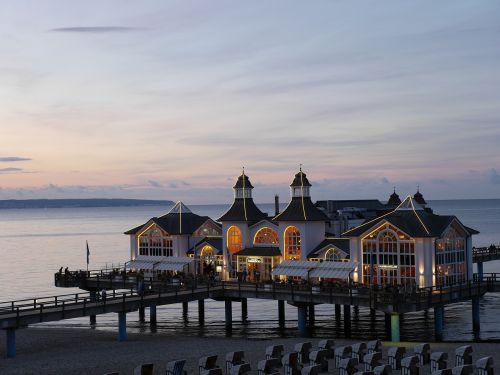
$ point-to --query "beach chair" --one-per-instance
(463, 355)
(484, 366)
(374, 346)
(144, 369)
(463, 370)
(207, 363)
(303, 348)
(423, 352)
(311, 370)
(212, 371)
(268, 366)
(275, 351)
(439, 361)
(364, 373)
(409, 365)
(290, 363)
(348, 366)
(241, 369)
(233, 359)
(320, 358)
(176, 367)
(382, 370)
(372, 360)
(326, 344)
(395, 354)
(445, 371)
(342, 352)
(359, 350)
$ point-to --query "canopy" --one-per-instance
(305, 269)
(168, 264)
(140, 264)
(173, 264)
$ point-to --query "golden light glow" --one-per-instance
(266, 236)
(234, 239)
(292, 242)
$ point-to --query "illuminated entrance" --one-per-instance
(256, 264)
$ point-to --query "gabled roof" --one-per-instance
(243, 209)
(301, 209)
(410, 218)
(261, 251)
(179, 220)
(215, 242)
(419, 198)
(340, 243)
(394, 199)
(266, 220)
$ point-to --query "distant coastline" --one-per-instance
(91, 202)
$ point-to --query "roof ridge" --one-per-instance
(418, 217)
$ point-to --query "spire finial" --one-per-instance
(300, 167)
(418, 188)
(394, 189)
(243, 170)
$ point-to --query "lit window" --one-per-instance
(333, 255)
(266, 236)
(234, 240)
(292, 243)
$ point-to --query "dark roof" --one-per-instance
(419, 198)
(341, 243)
(301, 209)
(415, 223)
(215, 242)
(270, 251)
(243, 182)
(334, 205)
(243, 209)
(300, 180)
(175, 223)
(394, 199)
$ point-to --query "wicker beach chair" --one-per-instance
(275, 351)
(233, 359)
(176, 367)
(303, 348)
(207, 363)
(144, 369)
(291, 363)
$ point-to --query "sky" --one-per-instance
(170, 99)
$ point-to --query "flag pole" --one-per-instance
(88, 256)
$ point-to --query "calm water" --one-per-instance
(35, 243)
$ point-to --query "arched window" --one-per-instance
(333, 255)
(292, 243)
(266, 236)
(234, 239)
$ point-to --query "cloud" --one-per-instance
(10, 170)
(96, 29)
(155, 184)
(494, 177)
(13, 159)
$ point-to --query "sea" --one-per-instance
(35, 243)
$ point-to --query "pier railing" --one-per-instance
(485, 254)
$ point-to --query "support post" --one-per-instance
(201, 311)
(438, 322)
(244, 309)
(184, 309)
(11, 342)
(395, 332)
(337, 313)
(347, 321)
(302, 320)
(152, 315)
(476, 325)
(480, 271)
(142, 314)
(311, 315)
(229, 315)
(281, 313)
(122, 326)
(93, 319)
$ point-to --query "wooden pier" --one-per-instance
(393, 302)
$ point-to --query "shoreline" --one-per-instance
(43, 350)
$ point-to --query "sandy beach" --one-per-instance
(87, 351)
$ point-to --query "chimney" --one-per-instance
(276, 205)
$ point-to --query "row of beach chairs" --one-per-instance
(357, 359)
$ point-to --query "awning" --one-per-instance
(333, 270)
(309, 269)
(173, 264)
(294, 268)
(140, 264)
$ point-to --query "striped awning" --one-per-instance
(173, 264)
(140, 264)
(314, 269)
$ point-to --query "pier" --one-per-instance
(22, 313)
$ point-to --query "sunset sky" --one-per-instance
(169, 99)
